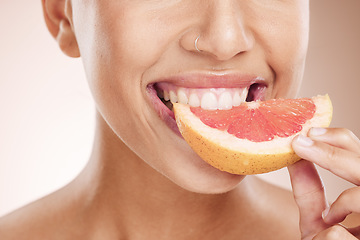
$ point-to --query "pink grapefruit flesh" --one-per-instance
(260, 121)
(254, 137)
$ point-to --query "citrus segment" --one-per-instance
(254, 137)
(260, 121)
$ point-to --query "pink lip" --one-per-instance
(198, 80)
(164, 113)
(213, 80)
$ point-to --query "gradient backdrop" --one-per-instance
(47, 113)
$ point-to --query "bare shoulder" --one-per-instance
(26, 222)
(49, 218)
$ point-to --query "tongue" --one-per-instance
(256, 92)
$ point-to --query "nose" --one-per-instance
(222, 32)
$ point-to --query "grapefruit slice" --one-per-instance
(254, 137)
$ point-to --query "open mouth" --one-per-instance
(209, 98)
(208, 91)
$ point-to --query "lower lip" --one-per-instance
(165, 114)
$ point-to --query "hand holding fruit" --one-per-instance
(337, 150)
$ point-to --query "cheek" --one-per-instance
(119, 47)
(134, 39)
(123, 46)
(283, 36)
(288, 59)
(112, 78)
(290, 45)
(116, 50)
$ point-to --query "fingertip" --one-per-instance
(325, 213)
(329, 217)
(317, 131)
(303, 146)
(302, 141)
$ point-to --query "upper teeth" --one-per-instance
(207, 98)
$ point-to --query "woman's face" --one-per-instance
(134, 50)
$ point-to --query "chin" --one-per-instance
(224, 182)
(199, 177)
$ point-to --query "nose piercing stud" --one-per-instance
(196, 41)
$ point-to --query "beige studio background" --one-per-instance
(47, 115)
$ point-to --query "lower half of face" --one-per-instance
(138, 54)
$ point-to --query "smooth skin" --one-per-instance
(143, 181)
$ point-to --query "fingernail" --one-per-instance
(317, 131)
(304, 141)
(325, 212)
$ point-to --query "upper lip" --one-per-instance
(213, 80)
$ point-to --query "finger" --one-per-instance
(335, 232)
(341, 162)
(309, 195)
(346, 203)
(339, 137)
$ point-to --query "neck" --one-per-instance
(137, 200)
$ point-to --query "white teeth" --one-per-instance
(240, 96)
(182, 97)
(173, 97)
(209, 101)
(225, 101)
(166, 96)
(194, 100)
(244, 94)
(237, 99)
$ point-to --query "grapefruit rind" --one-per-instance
(228, 153)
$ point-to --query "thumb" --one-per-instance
(309, 195)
